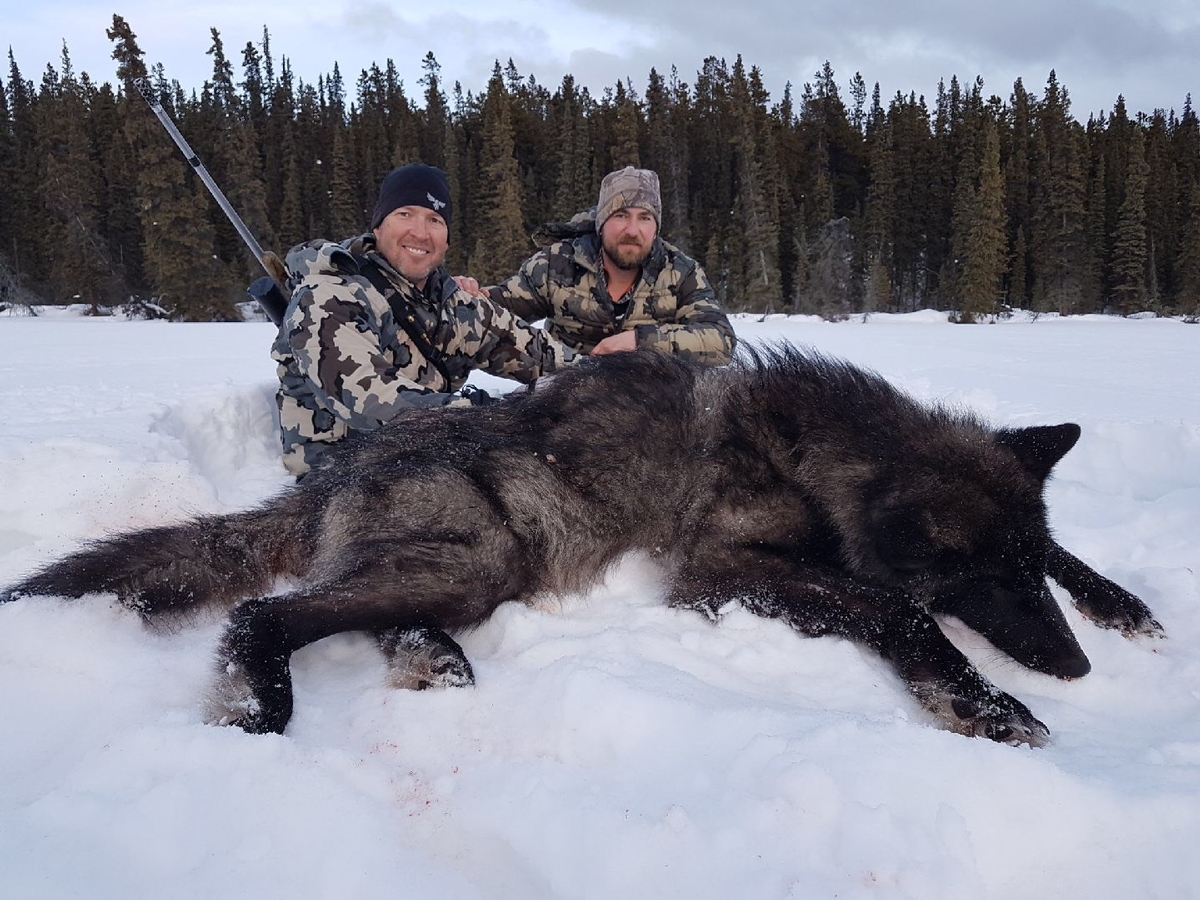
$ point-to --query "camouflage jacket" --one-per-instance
(346, 363)
(672, 305)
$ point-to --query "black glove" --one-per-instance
(477, 396)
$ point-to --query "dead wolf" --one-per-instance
(803, 487)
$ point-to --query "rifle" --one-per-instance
(268, 290)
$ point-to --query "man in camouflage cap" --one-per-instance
(376, 325)
(610, 283)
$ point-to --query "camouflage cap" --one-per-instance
(628, 187)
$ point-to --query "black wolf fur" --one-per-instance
(803, 487)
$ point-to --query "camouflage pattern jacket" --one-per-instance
(347, 364)
(672, 305)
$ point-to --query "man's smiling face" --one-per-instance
(414, 240)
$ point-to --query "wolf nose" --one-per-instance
(1073, 667)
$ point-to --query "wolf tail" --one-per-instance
(204, 561)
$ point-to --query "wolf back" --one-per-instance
(805, 488)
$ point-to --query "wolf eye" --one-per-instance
(902, 544)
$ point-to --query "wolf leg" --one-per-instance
(449, 581)
(420, 658)
(253, 689)
(1103, 601)
(818, 602)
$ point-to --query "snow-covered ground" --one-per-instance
(612, 748)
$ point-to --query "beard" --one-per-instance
(627, 255)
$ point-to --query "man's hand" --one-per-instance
(616, 343)
(477, 396)
(468, 284)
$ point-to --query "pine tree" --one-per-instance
(8, 174)
(1093, 279)
(277, 141)
(756, 210)
(1187, 299)
(1018, 187)
(137, 130)
(908, 119)
(625, 150)
(436, 116)
(880, 214)
(1058, 219)
(983, 267)
(183, 272)
(1163, 195)
(24, 254)
(1130, 249)
(500, 243)
(78, 258)
(345, 216)
(574, 189)
(710, 137)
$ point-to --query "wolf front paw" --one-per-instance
(1100, 599)
(999, 718)
(1108, 605)
(420, 658)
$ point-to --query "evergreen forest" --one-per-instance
(828, 200)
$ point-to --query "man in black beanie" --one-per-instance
(376, 325)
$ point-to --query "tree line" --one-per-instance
(826, 201)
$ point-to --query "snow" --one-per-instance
(612, 747)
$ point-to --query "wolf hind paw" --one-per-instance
(420, 658)
(232, 701)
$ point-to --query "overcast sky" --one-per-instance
(1147, 50)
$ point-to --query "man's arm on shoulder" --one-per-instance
(526, 294)
(701, 330)
(504, 344)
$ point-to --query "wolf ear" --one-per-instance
(1039, 448)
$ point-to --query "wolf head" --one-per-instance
(963, 530)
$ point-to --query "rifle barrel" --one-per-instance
(265, 290)
(148, 95)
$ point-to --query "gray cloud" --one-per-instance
(1099, 48)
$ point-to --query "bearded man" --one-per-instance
(609, 282)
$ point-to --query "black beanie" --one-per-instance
(413, 185)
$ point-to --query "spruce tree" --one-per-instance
(346, 217)
(1130, 254)
(628, 124)
(8, 174)
(435, 117)
(574, 189)
(984, 265)
(879, 215)
(1187, 298)
(499, 242)
(756, 285)
(1057, 208)
(183, 273)
(25, 252)
(1018, 186)
(70, 179)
